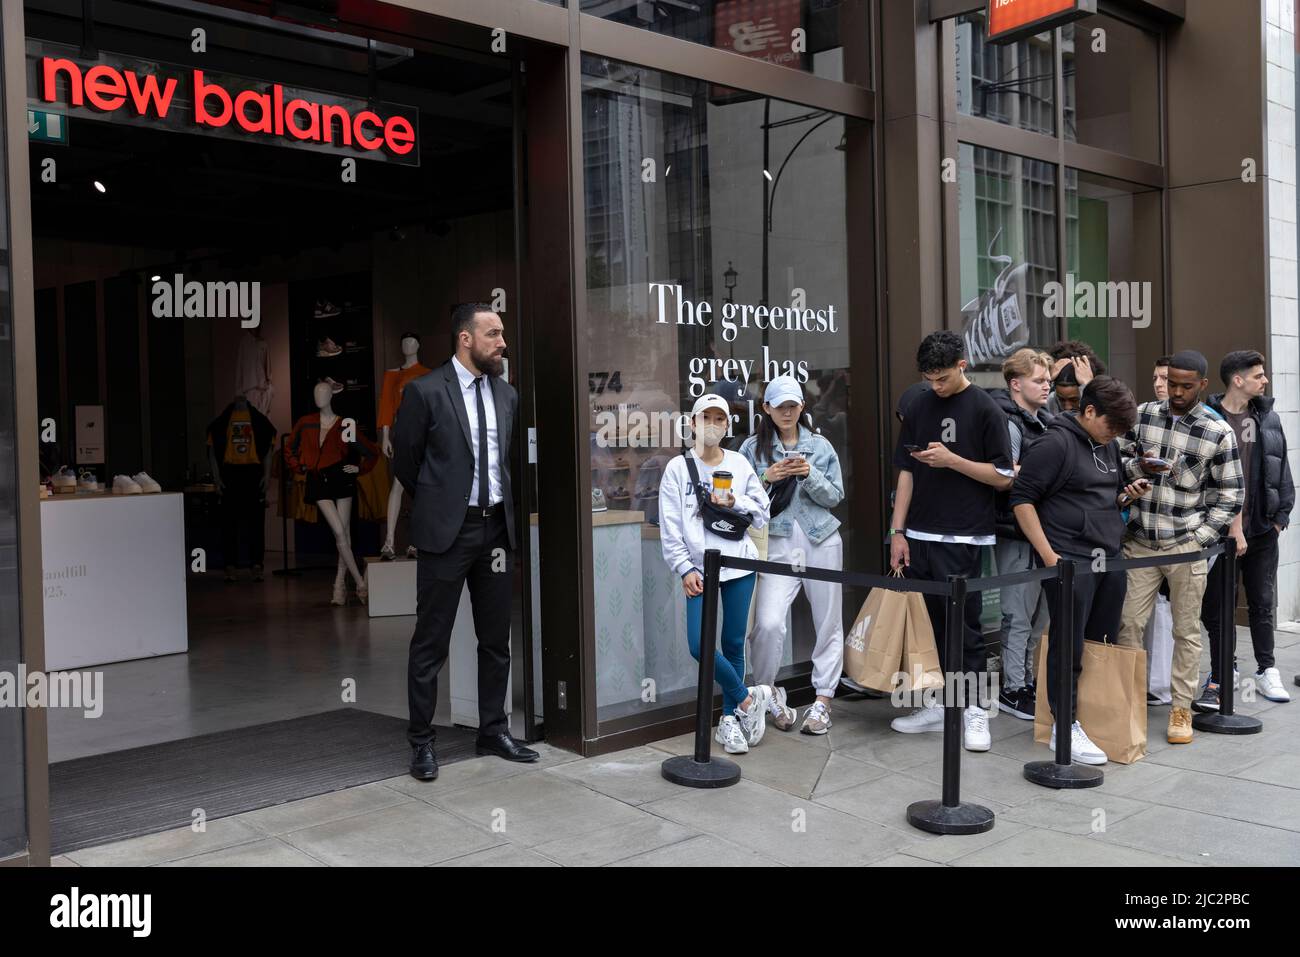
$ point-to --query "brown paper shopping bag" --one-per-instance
(873, 648)
(1112, 699)
(920, 653)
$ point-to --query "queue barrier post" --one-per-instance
(699, 770)
(1225, 720)
(1060, 772)
(948, 815)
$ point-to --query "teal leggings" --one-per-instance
(729, 657)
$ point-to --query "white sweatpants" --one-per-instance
(773, 597)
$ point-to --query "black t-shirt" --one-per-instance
(945, 502)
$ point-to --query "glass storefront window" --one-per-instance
(690, 289)
(1113, 253)
(1112, 90)
(1007, 239)
(13, 803)
(804, 35)
(1007, 83)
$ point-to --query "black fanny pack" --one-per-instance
(721, 521)
(780, 495)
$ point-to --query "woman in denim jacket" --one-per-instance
(801, 474)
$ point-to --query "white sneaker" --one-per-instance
(754, 721)
(63, 480)
(730, 736)
(1082, 750)
(976, 735)
(1269, 685)
(929, 718)
(147, 485)
(125, 485)
(87, 481)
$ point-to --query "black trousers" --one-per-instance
(480, 556)
(1258, 570)
(1098, 606)
(243, 511)
(935, 561)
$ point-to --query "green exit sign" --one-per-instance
(43, 127)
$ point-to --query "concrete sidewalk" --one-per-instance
(836, 799)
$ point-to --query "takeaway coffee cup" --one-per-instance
(721, 481)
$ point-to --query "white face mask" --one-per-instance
(710, 435)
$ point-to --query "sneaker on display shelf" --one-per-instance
(63, 480)
(87, 481)
(335, 387)
(386, 553)
(125, 485)
(326, 348)
(324, 309)
(147, 485)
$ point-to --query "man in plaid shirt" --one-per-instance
(1190, 454)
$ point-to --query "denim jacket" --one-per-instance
(815, 494)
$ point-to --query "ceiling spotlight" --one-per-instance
(768, 175)
(100, 186)
(154, 278)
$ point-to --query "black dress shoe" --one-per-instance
(504, 746)
(424, 765)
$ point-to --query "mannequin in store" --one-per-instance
(390, 399)
(318, 448)
(239, 454)
(253, 371)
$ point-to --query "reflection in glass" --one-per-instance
(1112, 91)
(1008, 83)
(804, 35)
(1007, 225)
(1112, 234)
(716, 259)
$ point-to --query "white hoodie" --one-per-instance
(682, 534)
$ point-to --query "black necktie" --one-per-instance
(482, 444)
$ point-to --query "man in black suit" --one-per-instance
(451, 451)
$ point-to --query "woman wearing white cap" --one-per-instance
(724, 479)
(801, 474)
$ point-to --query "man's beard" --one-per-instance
(490, 363)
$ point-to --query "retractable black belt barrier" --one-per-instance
(949, 815)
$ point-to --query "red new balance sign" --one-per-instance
(196, 99)
(1013, 19)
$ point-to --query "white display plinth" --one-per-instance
(392, 592)
(114, 569)
(392, 587)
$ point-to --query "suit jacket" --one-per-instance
(433, 454)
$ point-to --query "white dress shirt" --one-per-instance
(466, 377)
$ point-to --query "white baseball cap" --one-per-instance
(710, 400)
(784, 388)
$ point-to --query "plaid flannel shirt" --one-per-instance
(1198, 497)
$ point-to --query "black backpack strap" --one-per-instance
(695, 476)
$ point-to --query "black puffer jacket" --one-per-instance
(1273, 494)
(1031, 429)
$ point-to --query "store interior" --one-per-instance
(346, 272)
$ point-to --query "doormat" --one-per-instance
(111, 797)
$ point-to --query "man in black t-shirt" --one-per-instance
(953, 456)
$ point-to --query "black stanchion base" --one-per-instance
(1217, 723)
(937, 818)
(714, 773)
(1052, 775)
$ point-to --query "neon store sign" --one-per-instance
(234, 106)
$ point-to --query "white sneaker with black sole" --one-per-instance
(730, 736)
(975, 731)
(929, 718)
(1082, 750)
